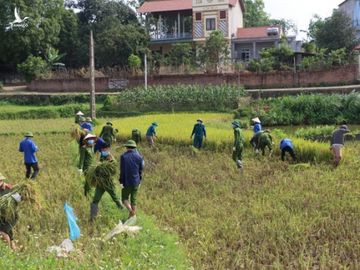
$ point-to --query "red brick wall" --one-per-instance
(336, 76)
(68, 85)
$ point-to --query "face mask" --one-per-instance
(91, 142)
(105, 154)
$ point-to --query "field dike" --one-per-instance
(271, 214)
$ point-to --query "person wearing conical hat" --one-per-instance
(200, 133)
(238, 144)
(3, 185)
(108, 133)
(131, 167)
(29, 148)
(87, 124)
(78, 115)
(151, 134)
(257, 130)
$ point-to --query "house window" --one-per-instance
(198, 16)
(245, 55)
(210, 24)
(222, 15)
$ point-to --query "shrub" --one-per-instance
(309, 109)
(134, 62)
(34, 67)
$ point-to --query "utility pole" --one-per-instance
(92, 77)
(145, 72)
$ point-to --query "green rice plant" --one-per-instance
(175, 129)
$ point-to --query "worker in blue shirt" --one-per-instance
(87, 124)
(286, 145)
(29, 148)
(200, 132)
(99, 144)
(131, 167)
(257, 130)
(151, 134)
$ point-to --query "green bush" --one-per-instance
(49, 100)
(316, 109)
(34, 67)
(177, 98)
(134, 62)
(64, 111)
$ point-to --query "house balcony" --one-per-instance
(170, 27)
(170, 37)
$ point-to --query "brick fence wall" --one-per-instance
(336, 76)
(68, 85)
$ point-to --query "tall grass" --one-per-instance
(176, 98)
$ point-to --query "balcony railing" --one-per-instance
(170, 36)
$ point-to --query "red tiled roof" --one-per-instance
(254, 32)
(165, 5)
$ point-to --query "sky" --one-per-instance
(300, 11)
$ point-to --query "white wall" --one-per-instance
(236, 18)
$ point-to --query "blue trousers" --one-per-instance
(198, 141)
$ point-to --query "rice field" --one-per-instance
(196, 209)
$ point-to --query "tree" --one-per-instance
(115, 42)
(316, 23)
(117, 31)
(255, 14)
(335, 32)
(42, 31)
(69, 40)
(181, 54)
(288, 26)
(215, 51)
(279, 58)
(96, 11)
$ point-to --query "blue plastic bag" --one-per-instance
(73, 227)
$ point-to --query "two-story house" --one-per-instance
(174, 21)
(352, 9)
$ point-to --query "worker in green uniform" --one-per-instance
(86, 157)
(7, 223)
(200, 133)
(108, 133)
(238, 144)
(136, 135)
(106, 185)
(265, 140)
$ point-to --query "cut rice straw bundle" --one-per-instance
(101, 174)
